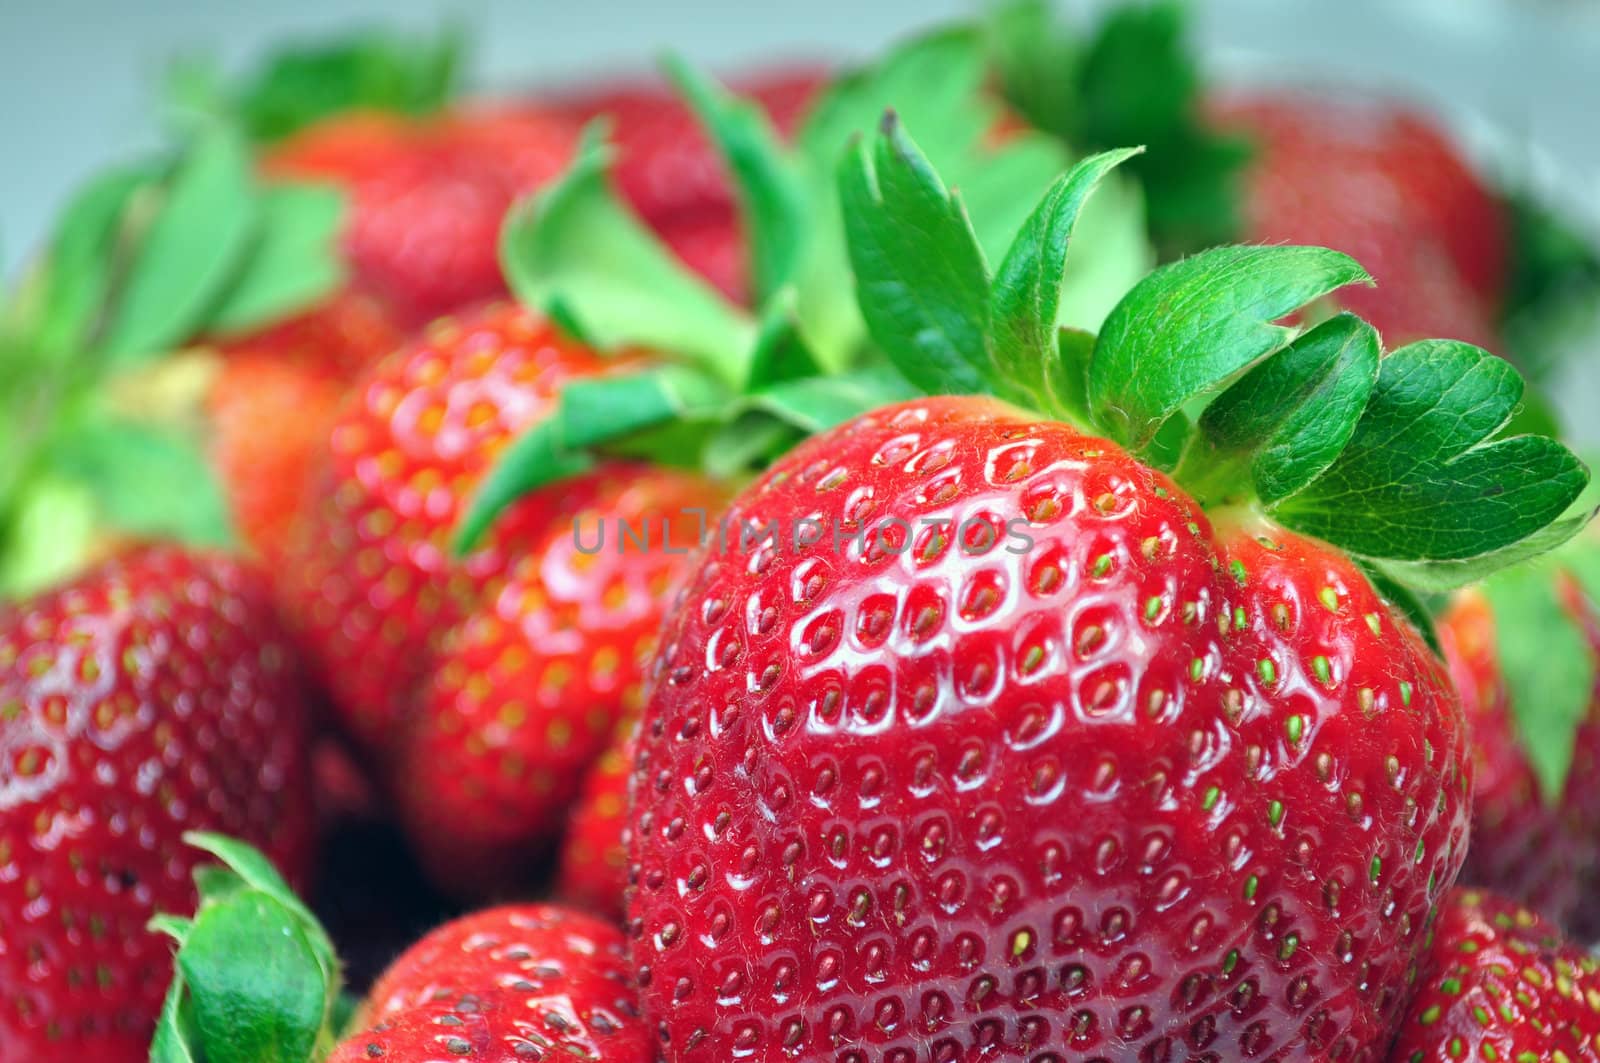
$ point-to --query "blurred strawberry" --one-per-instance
(1387, 186)
(594, 861)
(428, 193)
(154, 695)
(275, 397)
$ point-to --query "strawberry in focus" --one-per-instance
(1499, 983)
(428, 194)
(153, 695)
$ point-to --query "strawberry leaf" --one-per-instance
(771, 198)
(1554, 282)
(1290, 416)
(1191, 325)
(267, 1010)
(781, 352)
(177, 1039)
(1424, 478)
(574, 251)
(535, 458)
(293, 263)
(186, 259)
(599, 409)
(1439, 576)
(83, 259)
(814, 404)
(1406, 601)
(1026, 295)
(920, 277)
(1548, 665)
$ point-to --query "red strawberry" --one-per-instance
(530, 683)
(1385, 185)
(371, 582)
(511, 983)
(593, 871)
(1148, 786)
(153, 695)
(429, 194)
(276, 395)
(1542, 853)
(1501, 985)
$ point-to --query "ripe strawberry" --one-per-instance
(371, 583)
(1062, 717)
(428, 194)
(593, 872)
(1541, 851)
(530, 683)
(517, 982)
(152, 695)
(1387, 186)
(1500, 984)
(276, 395)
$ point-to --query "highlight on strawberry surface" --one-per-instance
(1023, 544)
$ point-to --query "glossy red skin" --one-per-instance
(1546, 857)
(1501, 986)
(674, 178)
(428, 195)
(593, 872)
(531, 682)
(102, 770)
(370, 581)
(1386, 185)
(882, 807)
(276, 396)
(507, 985)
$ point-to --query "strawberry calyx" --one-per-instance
(255, 976)
(144, 260)
(733, 387)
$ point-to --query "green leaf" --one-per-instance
(258, 992)
(177, 1039)
(1548, 665)
(187, 257)
(814, 404)
(250, 865)
(1423, 479)
(1440, 576)
(771, 195)
(1070, 382)
(920, 278)
(1289, 416)
(598, 409)
(748, 442)
(573, 250)
(50, 529)
(1026, 295)
(781, 352)
(1554, 282)
(302, 84)
(294, 262)
(147, 480)
(1189, 326)
(536, 458)
(82, 260)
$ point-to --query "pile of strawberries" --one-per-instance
(801, 592)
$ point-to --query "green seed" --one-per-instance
(1267, 670)
(1324, 672)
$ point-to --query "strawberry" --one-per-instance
(256, 977)
(593, 872)
(1386, 185)
(1500, 984)
(1059, 709)
(275, 396)
(529, 684)
(153, 694)
(1530, 688)
(428, 194)
(371, 580)
(515, 982)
